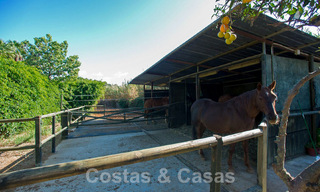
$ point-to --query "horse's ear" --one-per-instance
(272, 85)
(259, 86)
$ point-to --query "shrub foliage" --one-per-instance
(79, 91)
(24, 93)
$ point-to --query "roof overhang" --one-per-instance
(207, 54)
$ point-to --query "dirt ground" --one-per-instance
(23, 159)
(94, 141)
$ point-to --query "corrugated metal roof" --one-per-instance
(208, 51)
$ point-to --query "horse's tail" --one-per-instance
(194, 121)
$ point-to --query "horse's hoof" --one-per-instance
(203, 158)
(250, 170)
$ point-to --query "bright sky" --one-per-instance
(116, 40)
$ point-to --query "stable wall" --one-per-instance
(287, 72)
(317, 87)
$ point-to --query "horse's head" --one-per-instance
(266, 100)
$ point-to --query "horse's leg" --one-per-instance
(231, 151)
(200, 130)
(245, 145)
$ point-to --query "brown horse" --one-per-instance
(154, 102)
(235, 115)
(224, 98)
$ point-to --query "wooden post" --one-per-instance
(272, 64)
(69, 118)
(312, 100)
(264, 65)
(53, 146)
(264, 48)
(186, 101)
(105, 106)
(197, 84)
(216, 154)
(38, 153)
(262, 157)
(151, 89)
(64, 123)
(170, 102)
(144, 93)
(124, 116)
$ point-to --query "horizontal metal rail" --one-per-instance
(59, 132)
(52, 136)
(16, 120)
(56, 171)
(122, 121)
(94, 105)
(305, 113)
(60, 112)
(38, 143)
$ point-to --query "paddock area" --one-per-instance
(93, 141)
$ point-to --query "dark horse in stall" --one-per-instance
(154, 103)
(235, 115)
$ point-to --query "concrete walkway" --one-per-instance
(185, 172)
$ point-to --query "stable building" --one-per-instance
(206, 67)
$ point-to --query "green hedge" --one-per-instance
(24, 93)
(91, 89)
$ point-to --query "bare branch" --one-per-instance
(298, 182)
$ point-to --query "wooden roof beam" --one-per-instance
(187, 63)
(256, 41)
(300, 47)
(158, 74)
(271, 43)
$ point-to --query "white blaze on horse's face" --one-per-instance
(266, 102)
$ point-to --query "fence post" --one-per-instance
(216, 155)
(82, 114)
(64, 123)
(38, 152)
(53, 148)
(69, 118)
(262, 157)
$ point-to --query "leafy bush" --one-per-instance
(124, 91)
(80, 91)
(137, 102)
(123, 103)
(24, 93)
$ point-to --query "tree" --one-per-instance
(50, 57)
(9, 50)
(309, 178)
(297, 13)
